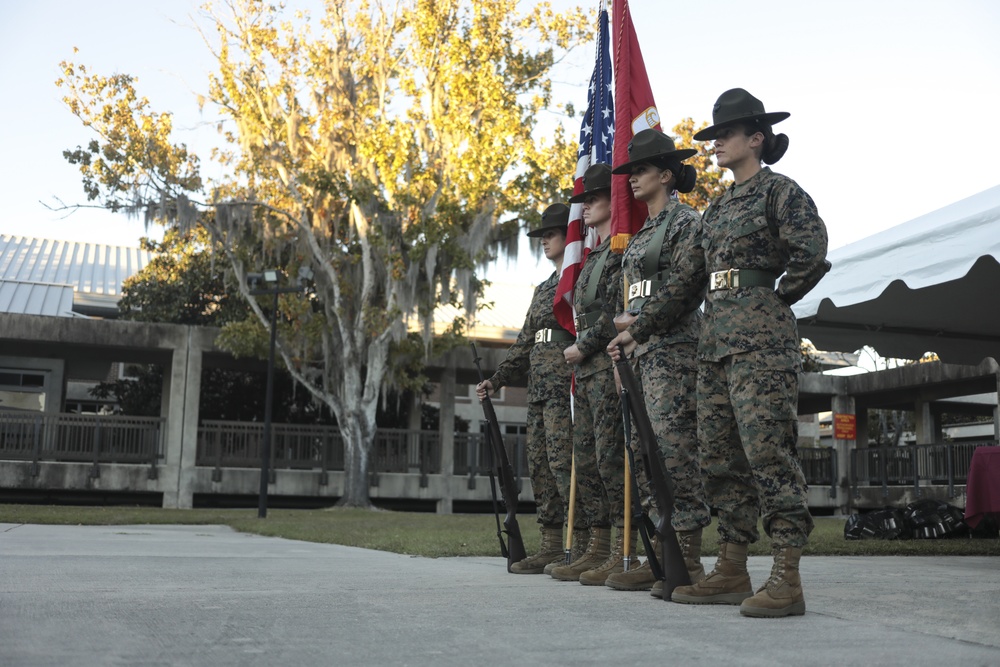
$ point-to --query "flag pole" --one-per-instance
(570, 516)
(596, 133)
(627, 525)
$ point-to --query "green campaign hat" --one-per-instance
(648, 145)
(554, 217)
(596, 178)
(738, 106)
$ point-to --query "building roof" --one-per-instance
(500, 315)
(68, 278)
(35, 275)
(36, 299)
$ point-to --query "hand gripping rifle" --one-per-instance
(514, 549)
(673, 571)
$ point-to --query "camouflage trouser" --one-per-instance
(668, 376)
(599, 445)
(748, 427)
(550, 448)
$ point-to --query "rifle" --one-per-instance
(514, 549)
(639, 517)
(673, 571)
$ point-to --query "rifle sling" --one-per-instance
(594, 280)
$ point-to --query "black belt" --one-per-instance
(733, 278)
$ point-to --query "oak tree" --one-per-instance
(381, 148)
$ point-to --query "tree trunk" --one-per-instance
(359, 439)
(897, 434)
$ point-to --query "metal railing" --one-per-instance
(226, 444)
(945, 464)
(473, 456)
(95, 439)
(819, 464)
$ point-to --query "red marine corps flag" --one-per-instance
(635, 111)
(596, 136)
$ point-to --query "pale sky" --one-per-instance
(893, 102)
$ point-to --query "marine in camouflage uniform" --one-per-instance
(598, 434)
(663, 268)
(665, 361)
(750, 357)
(764, 226)
(538, 353)
(550, 425)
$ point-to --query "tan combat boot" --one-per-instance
(598, 548)
(690, 543)
(580, 538)
(781, 595)
(550, 551)
(728, 583)
(636, 579)
(613, 564)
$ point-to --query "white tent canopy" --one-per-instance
(928, 285)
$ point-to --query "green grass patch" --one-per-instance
(441, 535)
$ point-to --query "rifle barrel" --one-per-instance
(674, 569)
(508, 487)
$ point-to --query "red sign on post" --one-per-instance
(845, 427)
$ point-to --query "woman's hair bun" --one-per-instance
(775, 148)
(686, 178)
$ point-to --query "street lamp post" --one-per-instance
(270, 278)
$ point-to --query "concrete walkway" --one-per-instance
(206, 595)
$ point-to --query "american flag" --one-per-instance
(596, 141)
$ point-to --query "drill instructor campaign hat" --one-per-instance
(738, 106)
(595, 179)
(554, 217)
(648, 145)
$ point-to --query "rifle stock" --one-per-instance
(639, 517)
(671, 558)
(514, 550)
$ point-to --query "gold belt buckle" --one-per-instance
(543, 336)
(639, 289)
(725, 279)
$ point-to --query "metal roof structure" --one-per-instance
(36, 299)
(36, 275)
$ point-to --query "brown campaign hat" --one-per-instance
(738, 106)
(595, 179)
(649, 145)
(554, 217)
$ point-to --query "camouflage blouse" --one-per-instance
(670, 314)
(593, 341)
(547, 370)
(768, 223)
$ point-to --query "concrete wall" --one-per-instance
(54, 476)
(66, 343)
(53, 343)
(241, 482)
